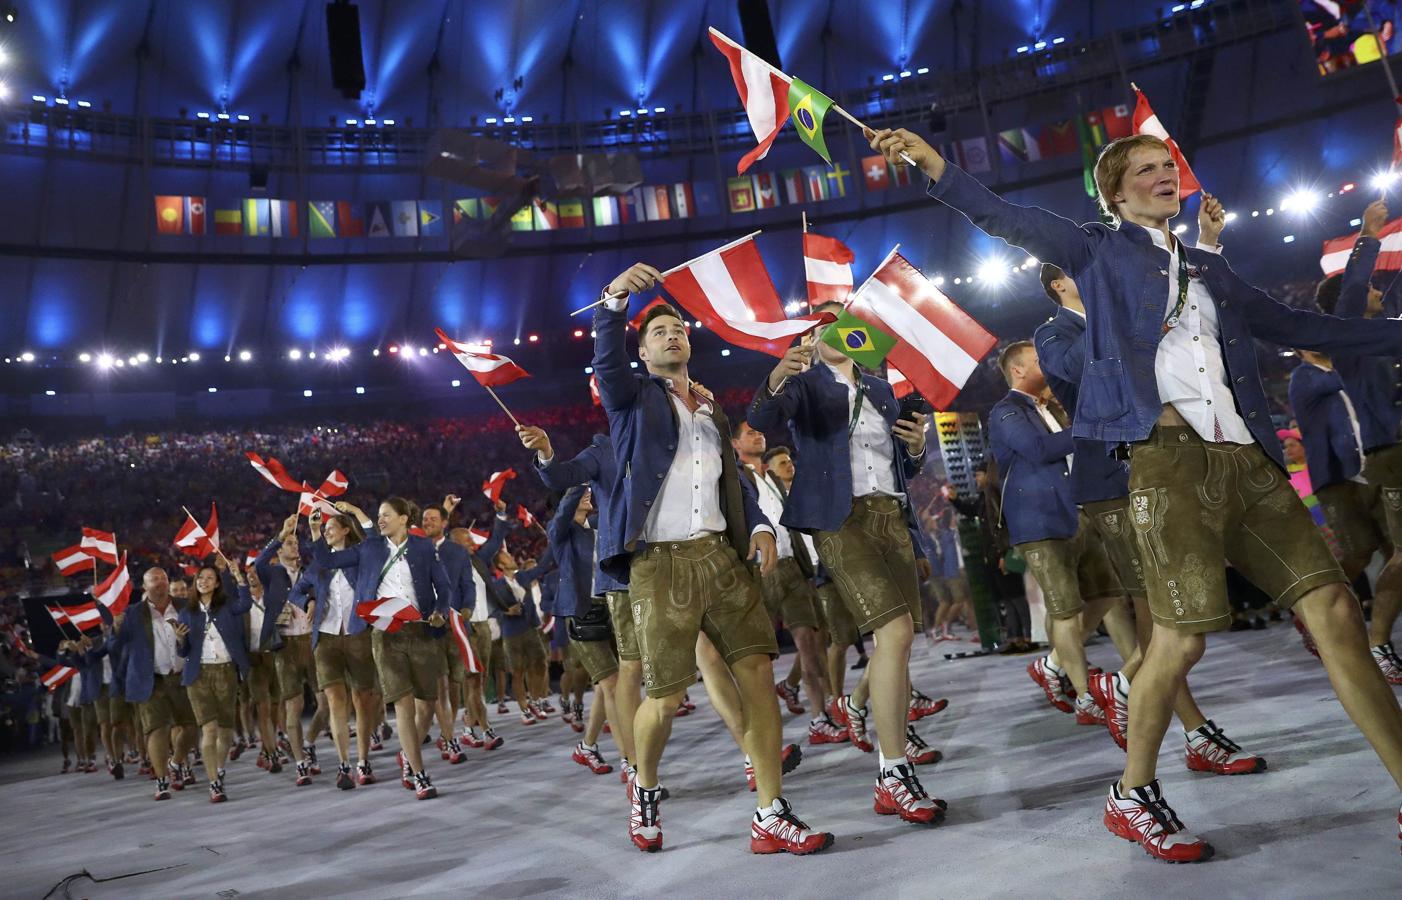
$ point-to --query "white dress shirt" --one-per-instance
(688, 503)
(872, 455)
(1189, 368)
(398, 581)
(340, 603)
(212, 649)
(1048, 419)
(295, 620)
(255, 625)
(166, 657)
(772, 505)
(480, 612)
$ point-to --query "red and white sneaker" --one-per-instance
(423, 787)
(1050, 682)
(375, 743)
(680, 712)
(406, 774)
(778, 830)
(1088, 712)
(625, 771)
(790, 697)
(826, 731)
(1143, 816)
(856, 725)
(162, 789)
(545, 707)
(917, 751)
(566, 713)
(538, 709)
(1110, 691)
(645, 818)
(686, 701)
(216, 792)
(836, 710)
(364, 774)
(591, 759)
(922, 706)
(92, 767)
(304, 774)
(454, 752)
(1209, 750)
(526, 717)
(791, 756)
(1305, 637)
(187, 774)
(501, 709)
(309, 753)
(899, 793)
(473, 741)
(490, 739)
(1388, 663)
(1399, 824)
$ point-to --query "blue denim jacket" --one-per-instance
(1037, 503)
(1331, 448)
(1123, 280)
(1371, 381)
(1061, 349)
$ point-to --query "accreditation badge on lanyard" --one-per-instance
(1185, 275)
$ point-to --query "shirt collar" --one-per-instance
(1036, 401)
(1075, 312)
(1156, 236)
(839, 377)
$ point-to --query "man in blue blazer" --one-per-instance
(1171, 370)
(1029, 436)
(1100, 487)
(484, 601)
(398, 565)
(457, 563)
(1372, 383)
(147, 635)
(681, 524)
(520, 631)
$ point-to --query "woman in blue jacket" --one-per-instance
(216, 659)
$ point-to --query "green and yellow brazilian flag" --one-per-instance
(807, 106)
(865, 343)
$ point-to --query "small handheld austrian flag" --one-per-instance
(827, 267)
(72, 560)
(388, 613)
(100, 545)
(489, 369)
(491, 488)
(57, 677)
(1145, 122)
(764, 94)
(1334, 257)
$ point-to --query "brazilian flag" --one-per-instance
(865, 343)
(808, 106)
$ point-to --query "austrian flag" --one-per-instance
(491, 488)
(1337, 250)
(489, 369)
(115, 590)
(764, 94)
(1145, 122)
(273, 472)
(388, 613)
(827, 265)
(72, 560)
(100, 545)
(192, 539)
(938, 344)
(57, 677)
(729, 291)
(470, 660)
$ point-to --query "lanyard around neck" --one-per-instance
(1171, 321)
(856, 409)
(398, 555)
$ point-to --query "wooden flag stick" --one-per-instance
(670, 271)
(805, 221)
(61, 624)
(502, 405)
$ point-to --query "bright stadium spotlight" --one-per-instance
(105, 361)
(26, 356)
(1384, 180)
(307, 393)
(423, 351)
(84, 357)
(993, 271)
(1301, 201)
(1230, 217)
(142, 357)
(194, 356)
(245, 356)
(360, 390)
(294, 354)
(1180, 228)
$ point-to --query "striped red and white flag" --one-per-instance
(57, 677)
(72, 560)
(83, 616)
(335, 484)
(100, 545)
(1397, 144)
(479, 537)
(547, 624)
(192, 539)
(763, 93)
(273, 472)
(250, 558)
(524, 516)
(489, 369)
(491, 488)
(827, 265)
(730, 292)
(594, 394)
(1334, 257)
(388, 613)
(899, 383)
(114, 592)
(1145, 122)
(470, 662)
(315, 500)
(211, 528)
(938, 345)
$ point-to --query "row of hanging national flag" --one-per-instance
(766, 190)
(258, 217)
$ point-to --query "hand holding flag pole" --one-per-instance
(672, 271)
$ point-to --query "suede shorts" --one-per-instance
(409, 662)
(788, 596)
(295, 665)
(1110, 521)
(599, 658)
(842, 628)
(1355, 513)
(1071, 571)
(625, 635)
(524, 649)
(347, 659)
(680, 589)
(481, 640)
(213, 694)
(872, 562)
(168, 705)
(111, 708)
(1382, 468)
(1197, 506)
(261, 686)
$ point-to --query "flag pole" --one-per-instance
(853, 295)
(503, 405)
(671, 271)
(804, 214)
(216, 549)
(65, 616)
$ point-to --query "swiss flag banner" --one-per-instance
(273, 472)
(729, 291)
(387, 613)
(764, 95)
(491, 488)
(489, 369)
(938, 345)
(470, 662)
(72, 560)
(1334, 256)
(100, 545)
(827, 265)
(114, 592)
(57, 677)
(1145, 122)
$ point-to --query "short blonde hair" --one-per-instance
(1112, 164)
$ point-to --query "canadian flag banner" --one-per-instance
(729, 291)
(114, 592)
(387, 614)
(1334, 257)
(72, 560)
(192, 539)
(899, 383)
(470, 662)
(489, 369)
(491, 488)
(57, 677)
(827, 264)
(764, 95)
(100, 545)
(273, 472)
(1145, 122)
(84, 616)
(938, 345)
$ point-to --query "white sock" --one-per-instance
(766, 811)
(592, 748)
(1122, 686)
(889, 764)
(1051, 666)
(818, 721)
(747, 759)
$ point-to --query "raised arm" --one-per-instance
(1045, 235)
(779, 399)
(1280, 323)
(501, 524)
(618, 386)
(1353, 287)
(563, 474)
